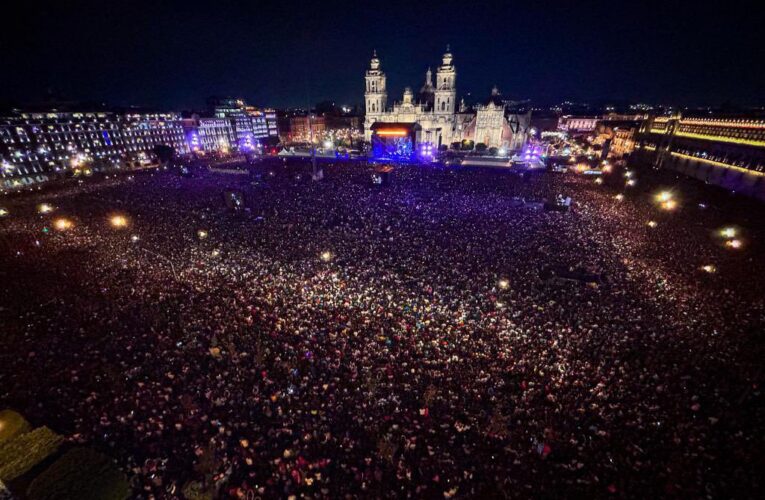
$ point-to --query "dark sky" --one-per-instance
(282, 53)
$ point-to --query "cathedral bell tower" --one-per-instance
(375, 95)
(446, 87)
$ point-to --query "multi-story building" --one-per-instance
(251, 124)
(438, 114)
(35, 147)
(578, 124)
(307, 128)
(725, 151)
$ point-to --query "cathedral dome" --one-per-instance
(447, 58)
(374, 63)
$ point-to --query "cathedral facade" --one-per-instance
(435, 109)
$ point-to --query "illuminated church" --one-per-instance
(435, 109)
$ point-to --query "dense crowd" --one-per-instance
(436, 338)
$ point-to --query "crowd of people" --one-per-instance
(441, 337)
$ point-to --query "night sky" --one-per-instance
(171, 54)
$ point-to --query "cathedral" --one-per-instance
(436, 111)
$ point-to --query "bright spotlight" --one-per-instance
(504, 284)
(202, 234)
(598, 181)
(631, 182)
(728, 232)
(652, 223)
(4, 212)
(669, 205)
(134, 238)
(118, 221)
(735, 244)
(44, 208)
(619, 197)
(709, 269)
(326, 256)
(62, 224)
(664, 196)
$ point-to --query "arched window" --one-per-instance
(443, 106)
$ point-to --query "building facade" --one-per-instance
(724, 151)
(35, 147)
(442, 119)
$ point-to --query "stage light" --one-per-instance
(631, 182)
(392, 132)
(326, 256)
(652, 223)
(628, 174)
(4, 212)
(504, 284)
(728, 232)
(598, 181)
(215, 252)
(202, 234)
(619, 197)
(328, 144)
(62, 224)
(735, 244)
(118, 221)
(134, 238)
(44, 208)
(709, 269)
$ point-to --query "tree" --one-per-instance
(80, 473)
(442, 147)
(480, 147)
(493, 151)
(164, 153)
(467, 145)
(455, 146)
